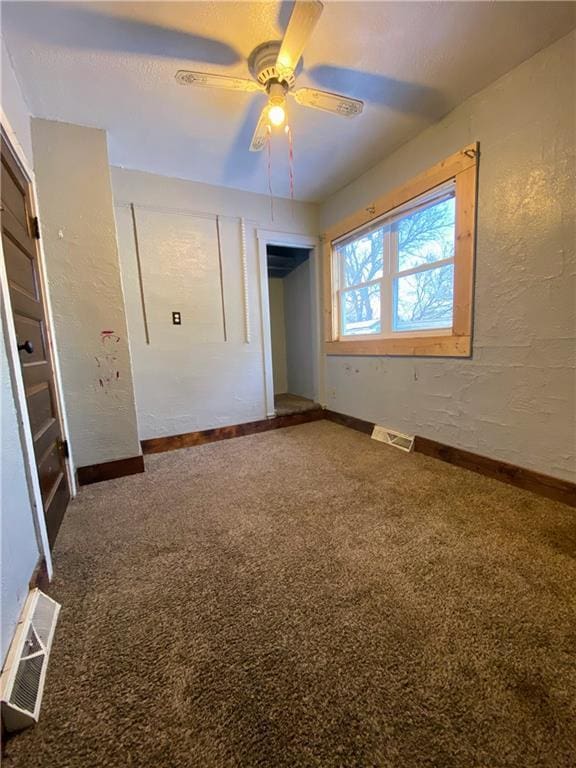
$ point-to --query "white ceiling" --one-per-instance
(112, 65)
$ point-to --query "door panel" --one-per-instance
(21, 257)
(21, 266)
(50, 470)
(46, 437)
(14, 194)
(40, 408)
(31, 329)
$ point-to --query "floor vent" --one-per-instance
(397, 439)
(23, 676)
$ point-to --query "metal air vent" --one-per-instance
(391, 437)
(23, 676)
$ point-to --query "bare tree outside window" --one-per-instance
(423, 298)
(363, 261)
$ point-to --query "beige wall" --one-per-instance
(299, 321)
(515, 399)
(278, 334)
(79, 234)
(183, 382)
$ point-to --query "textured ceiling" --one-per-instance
(112, 65)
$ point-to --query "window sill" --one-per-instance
(423, 346)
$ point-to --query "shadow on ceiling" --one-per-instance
(398, 95)
(83, 28)
(284, 13)
(240, 163)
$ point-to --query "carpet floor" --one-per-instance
(285, 404)
(310, 597)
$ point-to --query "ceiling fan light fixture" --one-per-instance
(274, 67)
(277, 114)
(277, 103)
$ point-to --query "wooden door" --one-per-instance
(19, 233)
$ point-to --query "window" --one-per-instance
(399, 275)
(401, 281)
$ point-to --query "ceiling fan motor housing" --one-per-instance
(262, 63)
(276, 92)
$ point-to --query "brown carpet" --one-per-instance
(285, 404)
(309, 597)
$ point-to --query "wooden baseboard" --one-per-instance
(528, 479)
(109, 470)
(39, 578)
(349, 421)
(543, 485)
(190, 439)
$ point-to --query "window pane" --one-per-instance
(362, 259)
(426, 236)
(361, 310)
(424, 300)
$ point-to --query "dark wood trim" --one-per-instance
(39, 578)
(190, 439)
(349, 421)
(544, 485)
(96, 473)
(528, 479)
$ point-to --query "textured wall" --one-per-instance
(515, 399)
(183, 385)
(180, 273)
(278, 334)
(19, 548)
(77, 219)
(14, 105)
(299, 331)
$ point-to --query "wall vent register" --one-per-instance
(22, 681)
(391, 437)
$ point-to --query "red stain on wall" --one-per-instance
(107, 362)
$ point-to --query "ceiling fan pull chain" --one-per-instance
(290, 162)
(269, 149)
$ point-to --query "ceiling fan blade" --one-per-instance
(207, 80)
(304, 16)
(329, 102)
(261, 133)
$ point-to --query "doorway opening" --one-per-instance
(291, 328)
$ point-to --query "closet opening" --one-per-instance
(291, 328)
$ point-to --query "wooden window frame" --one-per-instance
(462, 167)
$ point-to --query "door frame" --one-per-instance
(15, 371)
(265, 238)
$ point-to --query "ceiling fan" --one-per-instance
(274, 67)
